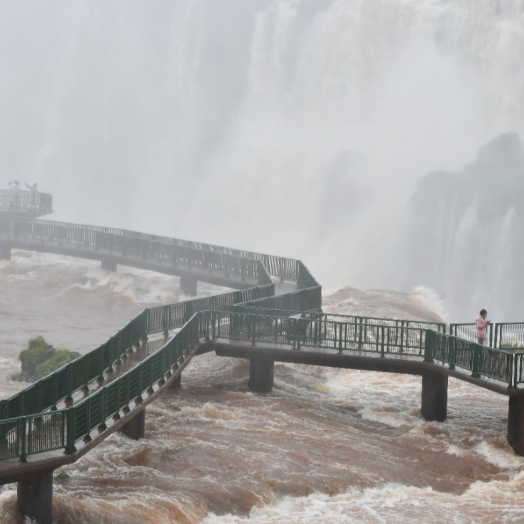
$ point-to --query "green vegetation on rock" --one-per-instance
(40, 359)
(61, 476)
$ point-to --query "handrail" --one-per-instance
(25, 201)
(468, 331)
(500, 335)
(111, 239)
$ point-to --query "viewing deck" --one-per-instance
(25, 204)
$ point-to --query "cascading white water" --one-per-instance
(292, 126)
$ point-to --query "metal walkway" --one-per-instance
(273, 315)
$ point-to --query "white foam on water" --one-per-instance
(390, 503)
(431, 301)
(502, 457)
(455, 450)
(382, 415)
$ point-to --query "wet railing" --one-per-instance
(505, 365)
(55, 429)
(30, 422)
(297, 332)
(26, 435)
(25, 202)
(468, 331)
(508, 335)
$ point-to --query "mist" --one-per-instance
(299, 128)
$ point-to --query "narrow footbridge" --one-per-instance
(274, 315)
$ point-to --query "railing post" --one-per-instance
(23, 438)
(382, 331)
(70, 439)
(496, 343)
(476, 361)
(452, 346)
(429, 345)
(213, 320)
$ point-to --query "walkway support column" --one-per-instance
(261, 370)
(35, 497)
(188, 285)
(136, 428)
(434, 396)
(177, 383)
(516, 423)
(5, 251)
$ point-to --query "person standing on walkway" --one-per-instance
(482, 327)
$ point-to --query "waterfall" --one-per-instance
(227, 122)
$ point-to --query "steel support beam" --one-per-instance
(35, 497)
(516, 423)
(261, 368)
(434, 396)
(135, 429)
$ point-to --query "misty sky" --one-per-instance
(247, 122)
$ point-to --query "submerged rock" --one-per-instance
(40, 359)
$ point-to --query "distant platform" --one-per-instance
(25, 204)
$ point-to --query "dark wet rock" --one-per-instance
(465, 232)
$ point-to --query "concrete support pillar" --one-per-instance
(109, 264)
(188, 285)
(35, 497)
(5, 251)
(516, 423)
(177, 383)
(135, 429)
(261, 370)
(434, 396)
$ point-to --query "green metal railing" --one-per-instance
(509, 335)
(26, 202)
(26, 435)
(468, 331)
(34, 433)
(319, 332)
(495, 363)
(502, 335)
(30, 422)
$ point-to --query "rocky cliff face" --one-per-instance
(466, 233)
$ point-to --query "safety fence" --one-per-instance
(164, 250)
(59, 386)
(143, 249)
(297, 331)
(37, 432)
(23, 436)
(18, 201)
(309, 299)
(320, 332)
(500, 335)
(501, 364)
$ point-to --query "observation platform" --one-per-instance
(25, 205)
